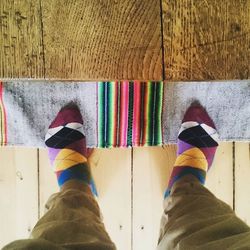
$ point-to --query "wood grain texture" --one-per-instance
(21, 50)
(104, 39)
(206, 40)
(242, 177)
(18, 192)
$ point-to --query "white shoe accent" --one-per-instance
(73, 125)
(186, 125)
(211, 131)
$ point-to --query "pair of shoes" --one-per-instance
(197, 144)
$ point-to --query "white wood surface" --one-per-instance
(18, 192)
(220, 176)
(151, 170)
(242, 181)
(130, 189)
(47, 180)
(111, 169)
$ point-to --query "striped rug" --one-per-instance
(3, 126)
(129, 113)
(121, 113)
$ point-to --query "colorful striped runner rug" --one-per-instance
(121, 113)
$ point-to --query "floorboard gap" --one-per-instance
(38, 183)
(234, 176)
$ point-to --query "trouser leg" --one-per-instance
(194, 218)
(72, 221)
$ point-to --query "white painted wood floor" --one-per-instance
(130, 182)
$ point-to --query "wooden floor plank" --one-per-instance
(8, 196)
(151, 170)
(47, 180)
(206, 40)
(111, 169)
(26, 190)
(112, 39)
(112, 174)
(220, 176)
(21, 50)
(242, 177)
(18, 192)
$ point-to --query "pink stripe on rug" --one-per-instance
(124, 113)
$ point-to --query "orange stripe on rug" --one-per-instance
(3, 121)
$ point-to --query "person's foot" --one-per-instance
(197, 144)
(67, 146)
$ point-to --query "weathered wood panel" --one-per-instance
(206, 40)
(106, 39)
(21, 50)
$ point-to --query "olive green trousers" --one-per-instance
(72, 221)
(193, 218)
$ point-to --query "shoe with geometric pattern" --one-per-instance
(197, 144)
(67, 146)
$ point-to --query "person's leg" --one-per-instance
(73, 219)
(194, 218)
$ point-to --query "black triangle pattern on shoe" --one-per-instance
(198, 137)
(63, 138)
